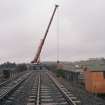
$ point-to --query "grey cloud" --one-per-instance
(23, 23)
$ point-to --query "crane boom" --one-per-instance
(43, 40)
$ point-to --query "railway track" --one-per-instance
(36, 88)
(21, 94)
(48, 91)
(5, 82)
(8, 88)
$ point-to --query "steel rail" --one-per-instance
(38, 91)
(9, 80)
(62, 90)
(8, 89)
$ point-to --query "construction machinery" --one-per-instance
(37, 56)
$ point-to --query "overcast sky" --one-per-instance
(23, 23)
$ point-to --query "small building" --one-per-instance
(94, 76)
(72, 75)
(73, 72)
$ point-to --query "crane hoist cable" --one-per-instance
(59, 63)
(58, 37)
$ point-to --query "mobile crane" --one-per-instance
(37, 56)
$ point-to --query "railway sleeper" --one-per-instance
(64, 91)
(7, 90)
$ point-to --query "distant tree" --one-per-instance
(7, 65)
(60, 73)
(51, 67)
(21, 67)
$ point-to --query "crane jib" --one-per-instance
(43, 40)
